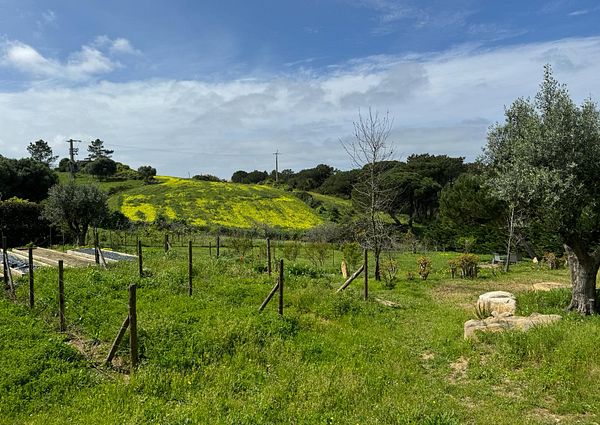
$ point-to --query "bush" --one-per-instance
(241, 246)
(390, 270)
(20, 221)
(469, 265)
(296, 269)
(424, 267)
(352, 253)
(551, 260)
(291, 250)
(316, 252)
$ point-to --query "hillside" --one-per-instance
(209, 203)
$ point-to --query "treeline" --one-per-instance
(440, 200)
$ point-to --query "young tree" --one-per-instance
(101, 167)
(368, 150)
(548, 150)
(147, 173)
(96, 150)
(42, 152)
(76, 207)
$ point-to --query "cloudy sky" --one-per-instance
(216, 86)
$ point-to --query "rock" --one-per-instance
(496, 301)
(549, 286)
(506, 321)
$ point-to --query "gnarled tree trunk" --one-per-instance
(584, 268)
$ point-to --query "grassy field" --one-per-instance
(332, 358)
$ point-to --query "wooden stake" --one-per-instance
(140, 259)
(266, 301)
(218, 246)
(61, 297)
(117, 341)
(281, 287)
(166, 243)
(133, 341)
(96, 247)
(31, 292)
(5, 264)
(190, 271)
(269, 256)
(366, 264)
(210, 249)
(350, 279)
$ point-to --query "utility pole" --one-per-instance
(72, 152)
(276, 165)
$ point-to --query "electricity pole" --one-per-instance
(72, 152)
(276, 165)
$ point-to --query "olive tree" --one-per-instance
(545, 159)
(76, 207)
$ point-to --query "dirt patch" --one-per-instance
(545, 416)
(549, 286)
(458, 370)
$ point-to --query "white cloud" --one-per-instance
(115, 46)
(441, 103)
(80, 65)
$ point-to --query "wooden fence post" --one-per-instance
(166, 243)
(281, 287)
(31, 293)
(5, 264)
(117, 341)
(190, 271)
(61, 297)
(269, 269)
(140, 260)
(133, 341)
(366, 274)
(96, 247)
(218, 246)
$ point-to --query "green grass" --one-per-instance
(332, 358)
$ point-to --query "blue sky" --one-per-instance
(211, 87)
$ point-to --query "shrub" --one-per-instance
(291, 250)
(241, 246)
(20, 221)
(453, 264)
(551, 260)
(316, 252)
(424, 267)
(469, 265)
(296, 269)
(352, 253)
(390, 270)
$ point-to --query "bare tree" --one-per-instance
(368, 149)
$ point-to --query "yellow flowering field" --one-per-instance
(211, 203)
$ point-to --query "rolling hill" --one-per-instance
(210, 203)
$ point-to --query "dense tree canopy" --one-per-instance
(545, 157)
(25, 178)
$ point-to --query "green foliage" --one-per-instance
(206, 178)
(253, 177)
(353, 254)
(101, 167)
(147, 173)
(340, 183)
(75, 207)
(21, 222)
(40, 151)
(96, 150)
(240, 246)
(25, 178)
(469, 265)
(424, 267)
(310, 178)
(316, 252)
(291, 250)
(390, 270)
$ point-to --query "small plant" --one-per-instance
(410, 276)
(316, 252)
(453, 264)
(296, 269)
(291, 250)
(390, 270)
(424, 267)
(551, 260)
(466, 243)
(352, 254)
(241, 246)
(411, 240)
(469, 265)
